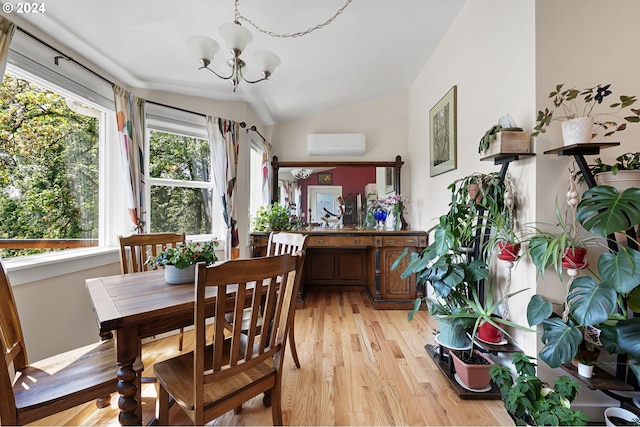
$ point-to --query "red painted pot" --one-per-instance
(508, 251)
(489, 333)
(575, 258)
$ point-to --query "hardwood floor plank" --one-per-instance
(359, 366)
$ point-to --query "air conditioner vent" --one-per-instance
(335, 144)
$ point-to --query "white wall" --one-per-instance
(383, 121)
(488, 54)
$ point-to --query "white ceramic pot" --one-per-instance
(585, 371)
(179, 276)
(617, 412)
(577, 131)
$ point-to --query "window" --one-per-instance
(49, 163)
(256, 197)
(181, 192)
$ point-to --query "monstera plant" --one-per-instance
(607, 300)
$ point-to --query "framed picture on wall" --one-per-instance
(325, 178)
(442, 134)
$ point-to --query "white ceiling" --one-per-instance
(374, 48)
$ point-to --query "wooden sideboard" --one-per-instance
(352, 259)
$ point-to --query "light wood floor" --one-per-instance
(359, 367)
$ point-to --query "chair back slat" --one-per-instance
(285, 243)
(14, 352)
(263, 288)
(137, 248)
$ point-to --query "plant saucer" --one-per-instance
(475, 390)
(501, 342)
(466, 347)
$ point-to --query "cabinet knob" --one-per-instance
(356, 241)
(320, 240)
(390, 242)
(409, 241)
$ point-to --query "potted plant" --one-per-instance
(530, 401)
(608, 299)
(586, 358)
(274, 217)
(575, 107)
(623, 174)
(504, 137)
(616, 416)
(479, 190)
(179, 262)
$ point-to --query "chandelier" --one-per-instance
(237, 38)
(301, 173)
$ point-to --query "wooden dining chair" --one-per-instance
(289, 243)
(216, 378)
(137, 248)
(31, 391)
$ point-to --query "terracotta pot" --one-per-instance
(575, 258)
(474, 192)
(489, 333)
(475, 377)
(508, 251)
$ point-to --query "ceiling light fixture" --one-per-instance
(301, 173)
(237, 38)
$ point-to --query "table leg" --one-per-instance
(127, 351)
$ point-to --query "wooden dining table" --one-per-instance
(135, 306)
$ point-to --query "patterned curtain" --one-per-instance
(130, 117)
(223, 139)
(266, 172)
(7, 28)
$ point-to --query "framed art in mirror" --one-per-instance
(442, 134)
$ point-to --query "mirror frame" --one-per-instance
(276, 165)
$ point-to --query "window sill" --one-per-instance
(39, 267)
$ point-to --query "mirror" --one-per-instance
(319, 192)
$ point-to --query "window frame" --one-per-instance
(174, 120)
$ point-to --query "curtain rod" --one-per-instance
(62, 55)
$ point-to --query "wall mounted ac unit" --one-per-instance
(335, 144)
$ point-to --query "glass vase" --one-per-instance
(380, 215)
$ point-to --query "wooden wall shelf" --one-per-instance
(601, 380)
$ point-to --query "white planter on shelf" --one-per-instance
(577, 131)
(618, 412)
(179, 276)
(585, 371)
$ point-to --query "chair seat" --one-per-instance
(176, 375)
(67, 379)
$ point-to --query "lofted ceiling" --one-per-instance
(374, 48)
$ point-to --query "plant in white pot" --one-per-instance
(580, 120)
(180, 262)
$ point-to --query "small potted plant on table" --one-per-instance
(180, 262)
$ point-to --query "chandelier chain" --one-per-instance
(239, 17)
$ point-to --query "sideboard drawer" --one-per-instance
(401, 241)
(340, 241)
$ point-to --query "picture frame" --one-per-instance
(325, 178)
(443, 134)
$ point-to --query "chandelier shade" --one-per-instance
(204, 47)
(301, 173)
(235, 36)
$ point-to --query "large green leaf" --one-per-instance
(633, 300)
(604, 211)
(561, 342)
(445, 283)
(476, 270)
(538, 310)
(591, 303)
(444, 240)
(621, 270)
(629, 336)
(609, 338)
